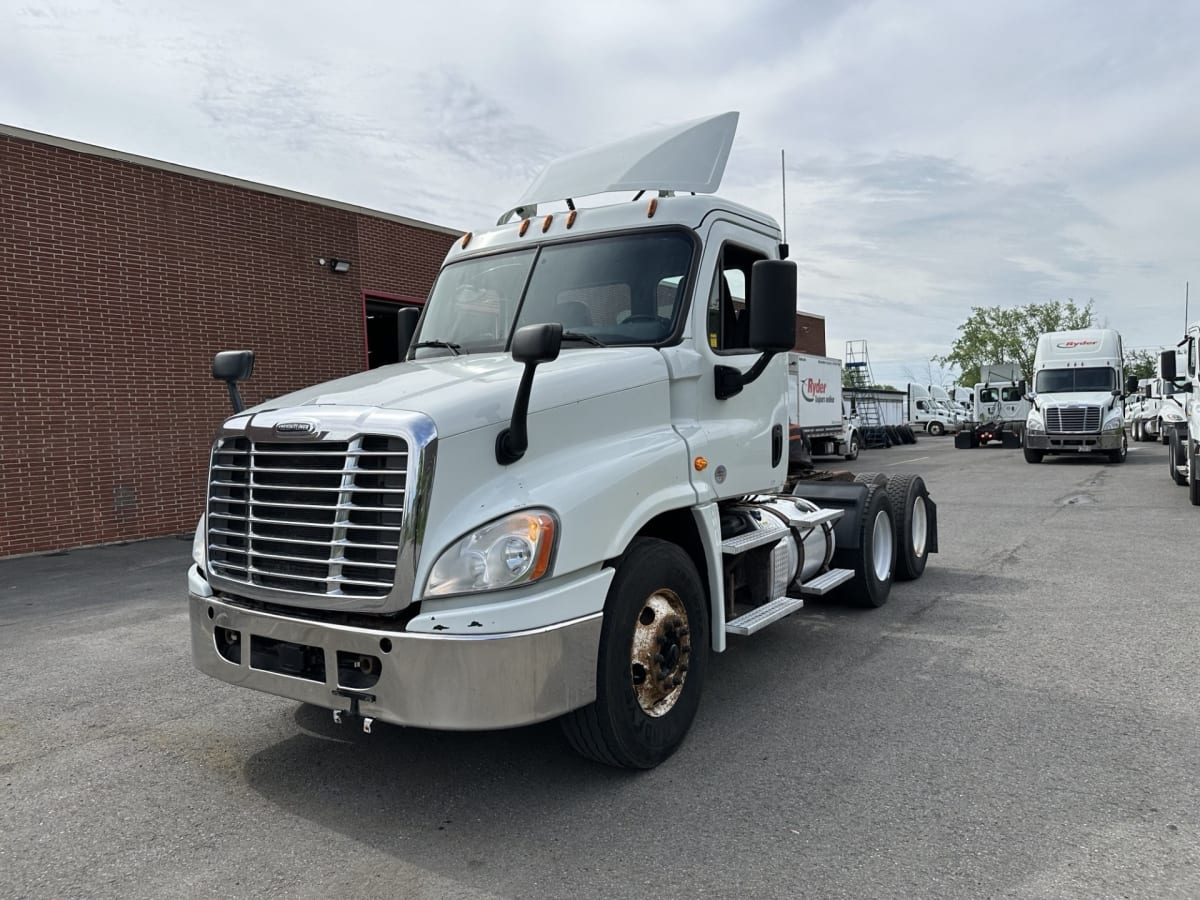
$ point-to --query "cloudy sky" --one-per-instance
(941, 154)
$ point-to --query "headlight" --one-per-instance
(1113, 424)
(1172, 415)
(1035, 426)
(502, 554)
(200, 546)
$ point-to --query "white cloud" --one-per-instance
(941, 155)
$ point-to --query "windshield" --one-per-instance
(1062, 381)
(621, 290)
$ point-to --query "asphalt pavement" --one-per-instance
(1021, 722)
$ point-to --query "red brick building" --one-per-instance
(122, 277)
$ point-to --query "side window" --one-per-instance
(988, 395)
(728, 303)
(1010, 394)
(921, 404)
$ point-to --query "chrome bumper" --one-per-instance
(1073, 443)
(450, 682)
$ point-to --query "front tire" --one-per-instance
(1193, 477)
(910, 506)
(1174, 452)
(1119, 455)
(653, 656)
(937, 429)
(852, 450)
(1031, 455)
(874, 560)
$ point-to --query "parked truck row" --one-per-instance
(570, 493)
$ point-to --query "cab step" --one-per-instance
(825, 583)
(813, 519)
(762, 616)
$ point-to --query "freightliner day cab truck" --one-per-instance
(1076, 405)
(571, 491)
(1183, 431)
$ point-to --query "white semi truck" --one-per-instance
(1163, 408)
(1182, 430)
(815, 406)
(926, 413)
(1076, 405)
(569, 494)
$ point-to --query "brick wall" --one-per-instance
(810, 334)
(120, 282)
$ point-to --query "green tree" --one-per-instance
(1141, 363)
(994, 334)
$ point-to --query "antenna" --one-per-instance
(1185, 307)
(783, 247)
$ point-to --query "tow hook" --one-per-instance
(341, 715)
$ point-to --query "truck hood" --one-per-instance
(1076, 398)
(462, 393)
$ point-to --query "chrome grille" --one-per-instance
(1073, 419)
(322, 517)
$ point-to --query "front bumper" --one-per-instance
(1053, 442)
(450, 682)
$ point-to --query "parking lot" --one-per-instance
(1021, 722)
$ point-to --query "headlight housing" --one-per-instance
(200, 546)
(1035, 425)
(1113, 424)
(1172, 415)
(511, 551)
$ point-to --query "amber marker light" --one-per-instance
(541, 535)
(570, 218)
(701, 463)
(524, 228)
(652, 208)
(546, 223)
(466, 240)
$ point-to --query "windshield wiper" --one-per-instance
(446, 345)
(586, 338)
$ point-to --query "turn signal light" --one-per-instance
(701, 463)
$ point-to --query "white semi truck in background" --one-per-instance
(926, 413)
(568, 495)
(1076, 405)
(815, 406)
(1164, 405)
(1179, 368)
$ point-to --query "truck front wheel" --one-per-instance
(1175, 458)
(936, 429)
(653, 656)
(1193, 477)
(852, 448)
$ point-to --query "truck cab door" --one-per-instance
(743, 439)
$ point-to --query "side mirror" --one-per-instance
(232, 366)
(1166, 364)
(772, 322)
(1021, 387)
(406, 327)
(1131, 384)
(773, 305)
(531, 345)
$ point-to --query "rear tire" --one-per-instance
(874, 560)
(655, 632)
(1174, 452)
(909, 498)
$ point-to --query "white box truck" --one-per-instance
(570, 493)
(815, 406)
(1076, 405)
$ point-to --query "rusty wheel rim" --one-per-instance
(659, 652)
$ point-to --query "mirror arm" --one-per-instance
(730, 381)
(513, 441)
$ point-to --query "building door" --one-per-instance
(383, 328)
